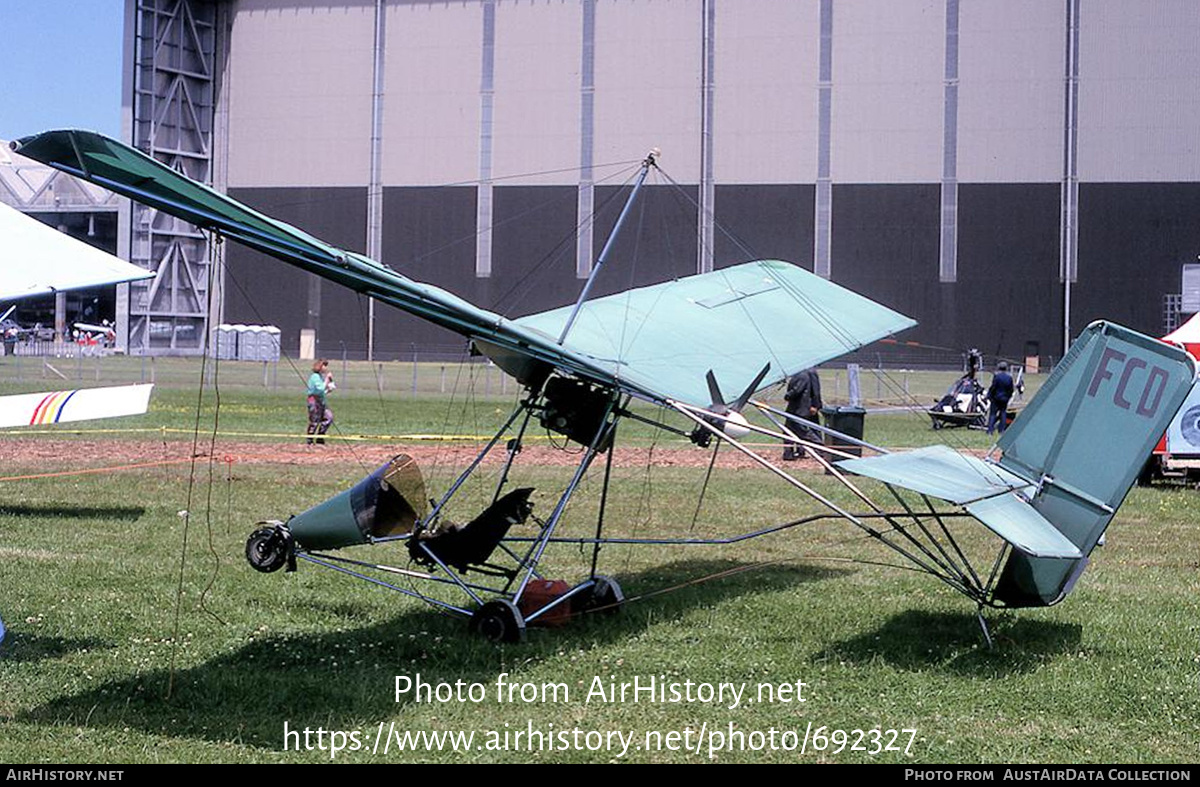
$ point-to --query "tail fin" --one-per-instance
(1083, 439)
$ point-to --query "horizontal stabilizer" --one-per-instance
(938, 471)
(982, 488)
(84, 404)
(1014, 520)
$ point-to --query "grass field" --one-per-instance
(137, 634)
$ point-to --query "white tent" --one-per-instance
(1188, 335)
(36, 259)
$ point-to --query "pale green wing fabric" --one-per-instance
(666, 337)
(984, 489)
(1014, 520)
(938, 471)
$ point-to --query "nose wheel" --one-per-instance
(270, 548)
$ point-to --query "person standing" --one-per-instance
(803, 397)
(999, 394)
(320, 417)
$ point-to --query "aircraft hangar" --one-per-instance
(1005, 171)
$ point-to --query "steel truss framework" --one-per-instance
(175, 52)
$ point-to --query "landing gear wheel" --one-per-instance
(499, 621)
(605, 598)
(269, 549)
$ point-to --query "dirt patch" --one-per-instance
(37, 454)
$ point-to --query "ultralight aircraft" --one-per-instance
(1047, 491)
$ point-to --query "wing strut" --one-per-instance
(612, 236)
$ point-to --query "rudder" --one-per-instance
(1082, 441)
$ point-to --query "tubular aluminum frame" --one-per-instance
(951, 566)
(932, 558)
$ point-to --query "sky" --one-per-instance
(60, 62)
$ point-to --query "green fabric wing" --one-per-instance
(666, 337)
(938, 471)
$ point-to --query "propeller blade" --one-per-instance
(746, 394)
(714, 390)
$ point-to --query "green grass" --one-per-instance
(380, 402)
(125, 645)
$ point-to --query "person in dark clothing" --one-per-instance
(999, 394)
(803, 397)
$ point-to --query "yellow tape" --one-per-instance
(279, 435)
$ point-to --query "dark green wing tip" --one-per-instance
(21, 142)
(52, 147)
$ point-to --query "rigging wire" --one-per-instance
(187, 510)
(831, 324)
(300, 376)
(724, 573)
(519, 286)
(704, 489)
(646, 497)
(333, 199)
(366, 331)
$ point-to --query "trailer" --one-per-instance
(1177, 455)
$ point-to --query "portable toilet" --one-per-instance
(272, 337)
(226, 342)
(239, 333)
(253, 341)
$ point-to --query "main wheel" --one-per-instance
(605, 597)
(269, 548)
(499, 621)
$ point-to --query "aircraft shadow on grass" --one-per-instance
(338, 678)
(951, 641)
(62, 511)
(22, 647)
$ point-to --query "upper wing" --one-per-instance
(84, 404)
(733, 321)
(36, 259)
(655, 342)
(120, 168)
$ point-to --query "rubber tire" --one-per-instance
(268, 549)
(605, 596)
(499, 621)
